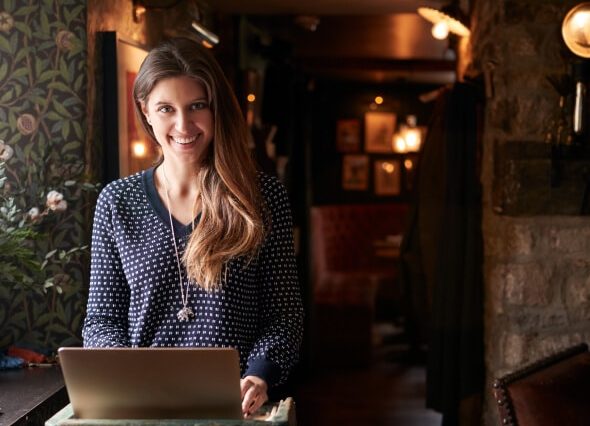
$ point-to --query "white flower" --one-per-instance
(6, 151)
(6, 21)
(56, 202)
(34, 214)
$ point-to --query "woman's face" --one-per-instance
(178, 110)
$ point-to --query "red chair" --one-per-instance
(349, 278)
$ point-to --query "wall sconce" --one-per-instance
(449, 19)
(575, 30)
(408, 138)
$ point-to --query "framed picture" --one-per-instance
(355, 172)
(387, 177)
(136, 151)
(379, 128)
(348, 135)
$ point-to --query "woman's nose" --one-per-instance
(182, 121)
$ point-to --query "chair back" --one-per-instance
(552, 391)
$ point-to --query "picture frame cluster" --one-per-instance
(373, 154)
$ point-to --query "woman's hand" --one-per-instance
(253, 394)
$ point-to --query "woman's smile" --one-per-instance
(184, 140)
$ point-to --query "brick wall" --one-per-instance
(537, 268)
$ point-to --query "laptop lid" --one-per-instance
(152, 383)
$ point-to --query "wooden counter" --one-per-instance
(29, 396)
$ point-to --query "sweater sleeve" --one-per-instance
(281, 311)
(106, 320)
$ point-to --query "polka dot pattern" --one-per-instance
(134, 293)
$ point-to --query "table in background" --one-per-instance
(29, 396)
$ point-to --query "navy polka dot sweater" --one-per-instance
(134, 293)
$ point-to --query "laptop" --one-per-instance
(152, 383)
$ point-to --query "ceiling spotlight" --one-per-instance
(449, 19)
(208, 38)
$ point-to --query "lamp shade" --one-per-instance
(575, 30)
(449, 15)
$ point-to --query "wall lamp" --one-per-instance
(575, 30)
(449, 19)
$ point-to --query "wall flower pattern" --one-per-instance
(45, 195)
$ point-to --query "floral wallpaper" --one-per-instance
(45, 198)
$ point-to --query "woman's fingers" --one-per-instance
(253, 390)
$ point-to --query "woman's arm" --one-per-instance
(281, 314)
(108, 299)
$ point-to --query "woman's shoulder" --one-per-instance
(274, 193)
(123, 187)
(270, 186)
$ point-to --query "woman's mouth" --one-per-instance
(183, 140)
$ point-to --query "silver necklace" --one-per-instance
(185, 313)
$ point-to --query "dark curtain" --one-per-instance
(442, 257)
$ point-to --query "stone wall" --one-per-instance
(537, 269)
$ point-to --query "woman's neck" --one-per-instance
(180, 181)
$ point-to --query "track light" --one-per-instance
(449, 19)
(208, 38)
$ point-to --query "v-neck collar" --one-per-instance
(180, 229)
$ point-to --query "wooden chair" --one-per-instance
(552, 391)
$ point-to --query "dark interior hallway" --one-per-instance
(390, 391)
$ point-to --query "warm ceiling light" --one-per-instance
(451, 15)
(576, 30)
(379, 100)
(440, 31)
(208, 38)
(251, 97)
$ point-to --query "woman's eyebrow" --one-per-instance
(165, 102)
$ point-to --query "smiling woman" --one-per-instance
(178, 111)
(198, 250)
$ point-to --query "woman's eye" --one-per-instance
(165, 109)
(199, 105)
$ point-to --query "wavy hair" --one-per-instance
(231, 223)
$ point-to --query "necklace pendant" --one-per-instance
(185, 314)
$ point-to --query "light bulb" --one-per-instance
(412, 138)
(139, 149)
(575, 30)
(388, 167)
(399, 143)
(440, 30)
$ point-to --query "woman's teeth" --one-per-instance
(184, 141)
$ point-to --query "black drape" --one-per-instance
(442, 256)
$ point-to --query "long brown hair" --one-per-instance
(231, 223)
